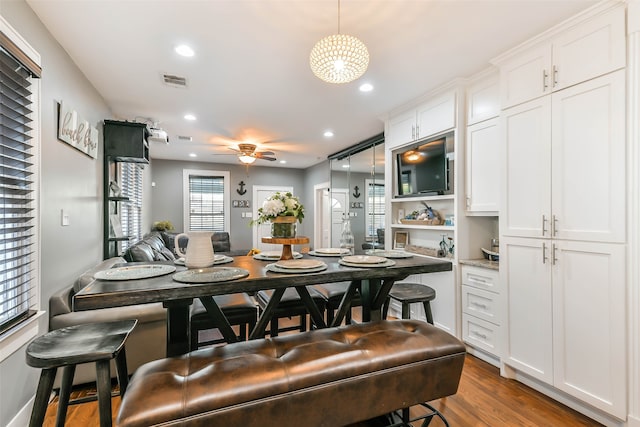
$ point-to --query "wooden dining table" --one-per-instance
(373, 284)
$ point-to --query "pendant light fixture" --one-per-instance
(339, 58)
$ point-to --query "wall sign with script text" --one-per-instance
(77, 132)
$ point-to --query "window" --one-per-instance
(206, 200)
(131, 211)
(374, 207)
(19, 122)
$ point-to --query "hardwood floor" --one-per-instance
(483, 399)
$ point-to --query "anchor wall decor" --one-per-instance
(241, 191)
(356, 192)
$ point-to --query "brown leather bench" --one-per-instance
(327, 377)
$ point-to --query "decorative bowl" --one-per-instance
(491, 256)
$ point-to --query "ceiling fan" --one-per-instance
(247, 153)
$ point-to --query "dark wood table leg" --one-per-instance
(178, 326)
(219, 319)
(312, 308)
(345, 303)
(261, 326)
(381, 294)
(365, 295)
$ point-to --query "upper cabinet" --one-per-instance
(126, 141)
(483, 98)
(429, 118)
(589, 49)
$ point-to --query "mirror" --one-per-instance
(357, 192)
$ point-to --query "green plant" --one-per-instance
(163, 226)
(279, 204)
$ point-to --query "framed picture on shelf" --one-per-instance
(401, 240)
(116, 226)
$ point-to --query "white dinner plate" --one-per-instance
(331, 251)
(210, 275)
(217, 259)
(386, 263)
(273, 255)
(135, 272)
(364, 259)
(299, 264)
(389, 254)
(275, 269)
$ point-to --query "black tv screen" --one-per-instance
(422, 168)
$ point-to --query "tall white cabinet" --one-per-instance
(563, 210)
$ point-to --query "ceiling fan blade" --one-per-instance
(266, 153)
(271, 159)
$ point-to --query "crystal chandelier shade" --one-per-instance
(339, 58)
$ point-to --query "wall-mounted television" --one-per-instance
(423, 168)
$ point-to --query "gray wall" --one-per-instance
(166, 195)
(70, 180)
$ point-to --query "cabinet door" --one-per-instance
(589, 50)
(402, 129)
(436, 116)
(589, 323)
(483, 100)
(525, 269)
(526, 184)
(525, 77)
(588, 166)
(483, 168)
(445, 306)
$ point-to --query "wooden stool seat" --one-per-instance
(73, 345)
(407, 293)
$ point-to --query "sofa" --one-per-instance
(148, 340)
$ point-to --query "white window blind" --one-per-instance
(131, 211)
(374, 217)
(206, 203)
(18, 189)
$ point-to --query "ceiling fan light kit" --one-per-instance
(246, 159)
(339, 58)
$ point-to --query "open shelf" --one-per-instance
(425, 227)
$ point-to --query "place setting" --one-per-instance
(329, 252)
(297, 266)
(273, 255)
(217, 259)
(389, 254)
(366, 261)
(134, 272)
(210, 274)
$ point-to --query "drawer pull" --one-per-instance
(483, 336)
(477, 279)
(477, 304)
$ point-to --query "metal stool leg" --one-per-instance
(103, 383)
(122, 371)
(65, 393)
(406, 310)
(45, 385)
(427, 312)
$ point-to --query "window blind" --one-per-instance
(18, 296)
(131, 176)
(206, 203)
(375, 208)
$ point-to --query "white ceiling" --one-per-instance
(250, 79)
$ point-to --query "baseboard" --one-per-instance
(22, 417)
(633, 421)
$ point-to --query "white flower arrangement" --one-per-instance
(280, 204)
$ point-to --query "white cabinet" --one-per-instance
(565, 317)
(483, 99)
(429, 118)
(483, 168)
(587, 50)
(564, 163)
(480, 309)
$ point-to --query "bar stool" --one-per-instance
(290, 305)
(74, 345)
(239, 309)
(333, 292)
(408, 293)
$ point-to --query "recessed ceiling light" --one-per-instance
(328, 134)
(366, 87)
(184, 50)
(283, 161)
(193, 155)
(190, 117)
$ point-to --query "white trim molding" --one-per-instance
(633, 270)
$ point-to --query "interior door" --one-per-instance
(260, 194)
(338, 199)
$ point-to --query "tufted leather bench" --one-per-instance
(327, 377)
